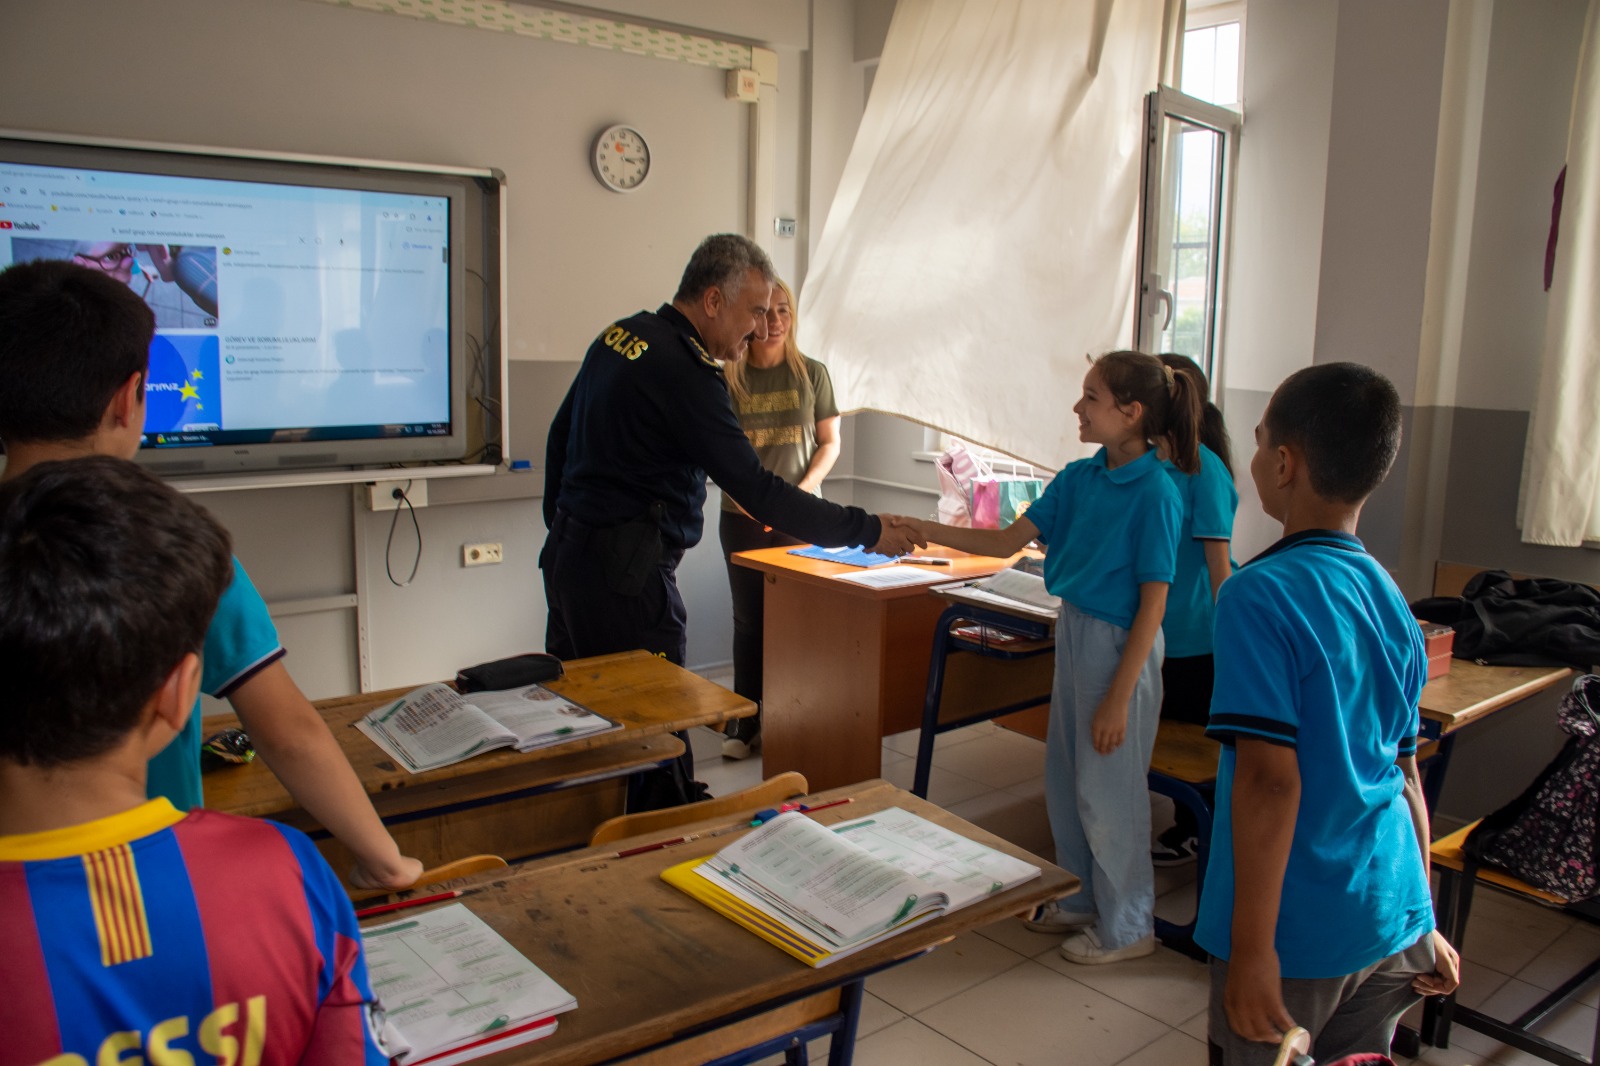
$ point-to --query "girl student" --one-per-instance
(1110, 525)
(1209, 502)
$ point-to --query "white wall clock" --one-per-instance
(621, 158)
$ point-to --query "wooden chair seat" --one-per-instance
(1184, 752)
(1447, 852)
(769, 793)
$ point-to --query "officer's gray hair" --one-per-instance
(723, 260)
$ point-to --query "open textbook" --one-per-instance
(453, 989)
(433, 726)
(821, 892)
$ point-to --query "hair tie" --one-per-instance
(1172, 380)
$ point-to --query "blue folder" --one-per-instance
(856, 556)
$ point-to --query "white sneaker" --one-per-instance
(1053, 918)
(734, 748)
(1085, 948)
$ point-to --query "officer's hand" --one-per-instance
(900, 535)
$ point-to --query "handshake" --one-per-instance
(901, 534)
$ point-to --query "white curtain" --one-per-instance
(984, 235)
(1561, 468)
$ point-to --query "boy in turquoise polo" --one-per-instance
(1317, 910)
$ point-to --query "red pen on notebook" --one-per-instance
(385, 908)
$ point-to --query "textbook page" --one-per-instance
(1023, 587)
(432, 727)
(944, 860)
(539, 717)
(446, 979)
(822, 881)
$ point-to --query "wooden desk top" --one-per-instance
(648, 964)
(1471, 691)
(818, 572)
(651, 697)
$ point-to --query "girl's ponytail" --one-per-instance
(1184, 413)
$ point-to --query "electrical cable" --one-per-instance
(402, 496)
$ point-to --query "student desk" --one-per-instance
(658, 975)
(1183, 766)
(845, 665)
(509, 803)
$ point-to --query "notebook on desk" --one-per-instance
(857, 556)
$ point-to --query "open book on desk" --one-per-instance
(453, 989)
(434, 726)
(821, 893)
(1015, 591)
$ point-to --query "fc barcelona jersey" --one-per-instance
(162, 937)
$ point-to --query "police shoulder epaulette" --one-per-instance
(705, 356)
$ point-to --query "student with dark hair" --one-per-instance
(1317, 911)
(1110, 528)
(74, 350)
(130, 926)
(1204, 562)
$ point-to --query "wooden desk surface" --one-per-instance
(818, 572)
(1471, 691)
(648, 964)
(648, 695)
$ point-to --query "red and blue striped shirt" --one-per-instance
(173, 937)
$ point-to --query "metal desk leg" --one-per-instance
(842, 1051)
(930, 703)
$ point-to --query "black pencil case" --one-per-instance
(519, 670)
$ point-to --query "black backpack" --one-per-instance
(1547, 835)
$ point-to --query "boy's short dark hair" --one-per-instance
(1345, 419)
(69, 337)
(108, 578)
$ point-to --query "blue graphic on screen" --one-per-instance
(184, 391)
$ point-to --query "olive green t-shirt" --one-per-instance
(781, 416)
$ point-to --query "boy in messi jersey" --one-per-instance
(133, 931)
(1316, 908)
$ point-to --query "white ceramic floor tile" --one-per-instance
(1174, 1049)
(1571, 952)
(1031, 789)
(1506, 933)
(944, 788)
(723, 776)
(1198, 1026)
(705, 744)
(910, 1043)
(948, 970)
(891, 759)
(1019, 821)
(875, 1015)
(1013, 934)
(1168, 986)
(906, 743)
(1031, 1014)
(998, 759)
(1573, 1026)
(1177, 904)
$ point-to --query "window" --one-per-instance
(1192, 149)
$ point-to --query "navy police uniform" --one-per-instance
(645, 422)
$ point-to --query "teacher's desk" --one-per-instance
(844, 665)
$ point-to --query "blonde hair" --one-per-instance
(734, 369)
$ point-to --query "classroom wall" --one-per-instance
(299, 76)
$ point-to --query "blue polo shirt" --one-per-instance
(240, 641)
(1316, 650)
(1209, 501)
(1108, 532)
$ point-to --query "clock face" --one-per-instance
(621, 159)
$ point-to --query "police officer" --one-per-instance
(645, 421)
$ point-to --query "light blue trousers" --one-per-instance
(1099, 809)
